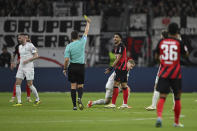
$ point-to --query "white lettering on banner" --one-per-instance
(45, 31)
(50, 35)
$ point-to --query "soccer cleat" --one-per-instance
(36, 103)
(178, 125)
(110, 106)
(89, 104)
(158, 122)
(12, 100)
(29, 99)
(80, 104)
(75, 108)
(18, 104)
(123, 106)
(150, 108)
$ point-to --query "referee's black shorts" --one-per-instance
(76, 73)
(164, 85)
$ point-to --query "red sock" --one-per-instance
(14, 91)
(177, 111)
(160, 107)
(28, 91)
(125, 95)
(115, 95)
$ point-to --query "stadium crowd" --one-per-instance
(97, 7)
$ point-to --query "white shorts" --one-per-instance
(28, 73)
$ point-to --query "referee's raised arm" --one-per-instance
(87, 25)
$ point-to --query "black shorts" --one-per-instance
(164, 85)
(76, 73)
(121, 75)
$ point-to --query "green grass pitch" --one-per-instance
(55, 114)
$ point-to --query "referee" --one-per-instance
(75, 54)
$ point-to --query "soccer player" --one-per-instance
(120, 65)
(75, 54)
(155, 97)
(109, 88)
(16, 53)
(169, 50)
(28, 53)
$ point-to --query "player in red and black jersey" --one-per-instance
(120, 65)
(169, 51)
(16, 53)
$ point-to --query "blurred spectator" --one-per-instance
(5, 58)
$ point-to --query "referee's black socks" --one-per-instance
(80, 92)
(73, 96)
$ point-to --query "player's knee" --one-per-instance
(107, 101)
(124, 85)
(29, 83)
(18, 82)
(116, 83)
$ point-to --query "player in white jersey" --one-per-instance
(28, 53)
(109, 89)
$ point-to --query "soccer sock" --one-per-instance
(18, 93)
(177, 111)
(73, 96)
(173, 100)
(99, 102)
(28, 91)
(115, 95)
(80, 92)
(34, 91)
(155, 98)
(160, 107)
(14, 91)
(125, 95)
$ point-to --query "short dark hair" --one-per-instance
(173, 28)
(74, 35)
(118, 35)
(164, 33)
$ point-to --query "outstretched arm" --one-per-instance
(87, 25)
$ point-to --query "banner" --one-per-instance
(50, 35)
(159, 24)
(138, 25)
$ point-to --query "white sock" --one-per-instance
(155, 98)
(34, 91)
(99, 102)
(18, 93)
(173, 99)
